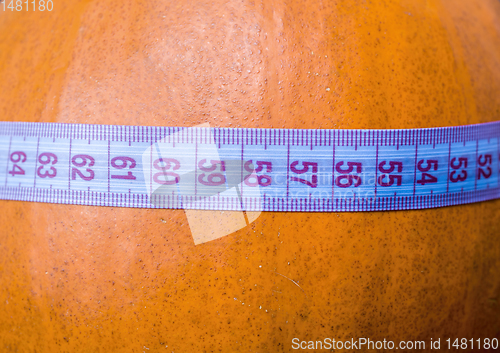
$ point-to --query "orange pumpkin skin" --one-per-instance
(97, 279)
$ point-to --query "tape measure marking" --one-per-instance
(249, 169)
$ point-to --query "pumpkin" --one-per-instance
(100, 279)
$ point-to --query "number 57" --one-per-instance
(314, 179)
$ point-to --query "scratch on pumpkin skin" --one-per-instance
(292, 282)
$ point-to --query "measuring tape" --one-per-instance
(249, 169)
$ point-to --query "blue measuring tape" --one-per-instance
(249, 169)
